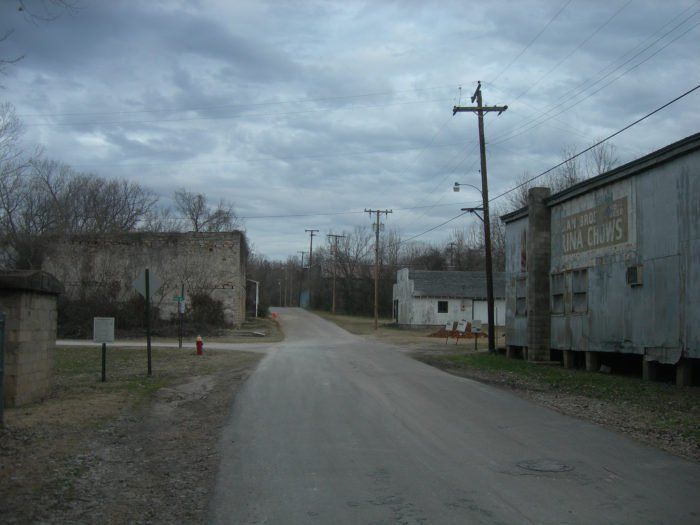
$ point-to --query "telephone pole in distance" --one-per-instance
(335, 262)
(480, 109)
(301, 280)
(312, 234)
(377, 224)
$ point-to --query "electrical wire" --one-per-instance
(537, 36)
(547, 115)
(528, 181)
(224, 117)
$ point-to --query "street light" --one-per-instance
(455, 188)
(488, 263)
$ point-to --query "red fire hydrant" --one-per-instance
(200, 345)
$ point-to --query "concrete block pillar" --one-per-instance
(684, 372)
(592, 361)
(568, 358)
(538, 264)
(649, 370)
(28, 299)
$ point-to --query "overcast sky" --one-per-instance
(327, 108)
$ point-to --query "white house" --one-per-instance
(430, 298)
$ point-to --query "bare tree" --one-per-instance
(34, 11)
(201, 218)
(600, 159)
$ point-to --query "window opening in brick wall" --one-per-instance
(579, 287)
(442, 307)
(558, 289)
(521, 296)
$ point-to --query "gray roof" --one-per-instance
(470, 285)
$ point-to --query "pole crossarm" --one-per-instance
(475, 109)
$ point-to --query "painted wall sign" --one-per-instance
(604, 225)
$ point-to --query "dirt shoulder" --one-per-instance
(131, 450)
(658, 414)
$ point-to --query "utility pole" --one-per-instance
(335, 262)
(311, 233)
(480, 109)
(301, 280)
(377, 224)
(451, 249)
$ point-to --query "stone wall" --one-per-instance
(213, 263)
(28, 300)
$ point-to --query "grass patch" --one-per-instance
(669, 407)
(354, 324)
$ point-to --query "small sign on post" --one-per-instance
(476, 330)
(461, 329)
(103, 332)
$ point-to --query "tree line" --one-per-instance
(42, 199)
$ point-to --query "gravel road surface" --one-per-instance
(332, 428)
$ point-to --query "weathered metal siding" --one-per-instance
(649, 220)
(516, 326)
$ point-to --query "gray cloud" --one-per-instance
(293, 107)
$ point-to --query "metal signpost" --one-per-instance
(180, 310)
(476, 330)
(143, 284)
(103, 332)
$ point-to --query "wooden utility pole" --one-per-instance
(311, 233)
(377, 225)
(335, 262)
(480, 109)
(301, 280)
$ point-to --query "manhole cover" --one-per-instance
(545, 465)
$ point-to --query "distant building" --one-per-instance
(211, 263)
(608, 271)
(434, 298)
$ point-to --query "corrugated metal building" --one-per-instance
(434, 298)
(611, 266)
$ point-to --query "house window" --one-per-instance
(579, 288)
(521, 296)
(442, 307)
(558, 288)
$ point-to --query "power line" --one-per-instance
(432, 229)
(538, 35)
(524, 183)
(264, 159)
(220, 117)
(547, 115)
(234, 106)
(568, 55)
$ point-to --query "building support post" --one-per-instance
(568, 358)
(684, 372)
(592, 362)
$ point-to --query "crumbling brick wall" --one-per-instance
(212, 263)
